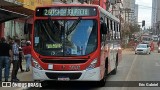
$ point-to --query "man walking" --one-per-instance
(15, 48)
(5, 53)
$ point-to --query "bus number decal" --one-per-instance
(45, 12)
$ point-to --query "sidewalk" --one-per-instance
(20, 75)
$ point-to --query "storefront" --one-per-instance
(12, 15)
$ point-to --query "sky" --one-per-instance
(144, 12)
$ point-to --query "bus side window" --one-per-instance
(111, 29)
(108, 27)
(115, 30)
(119, 32)
(104, 30)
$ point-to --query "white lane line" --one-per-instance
(130, 70)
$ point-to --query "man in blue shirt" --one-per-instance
(15, 49)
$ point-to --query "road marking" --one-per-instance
(129, 73)
(130, 70)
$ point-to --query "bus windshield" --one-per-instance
(65, 37)
(146, 39)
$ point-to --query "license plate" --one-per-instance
(63, 78)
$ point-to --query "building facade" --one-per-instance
(154, 12)
(155, 17)
(17, 11)
(129, 10)
(136, 13)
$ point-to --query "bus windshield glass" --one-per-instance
(65, 37)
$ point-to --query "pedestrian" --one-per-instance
(15, 62)
(5, 53)
(158, 43)
(20, 59)
(152, 46)
(27, 55)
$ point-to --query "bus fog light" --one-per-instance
(36, 64)
(92, 65)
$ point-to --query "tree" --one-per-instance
(128, 30)
(134, 28)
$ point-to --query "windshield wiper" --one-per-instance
(52, 25)
(46, 31)
(73, 26)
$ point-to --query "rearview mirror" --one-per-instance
(104, 28)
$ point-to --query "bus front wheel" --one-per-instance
(103, 81)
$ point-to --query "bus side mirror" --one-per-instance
(26, 27)
(104, 28)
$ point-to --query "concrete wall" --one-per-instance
(14, 28)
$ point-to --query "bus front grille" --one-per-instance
(64, 61)
(69, 75)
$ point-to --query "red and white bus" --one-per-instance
(146, 38)
(75, 42)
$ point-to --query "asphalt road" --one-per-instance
(132, 68)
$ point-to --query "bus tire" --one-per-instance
(103, 81)
(115, 69)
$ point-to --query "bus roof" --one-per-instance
(86, 5)
(108, 14)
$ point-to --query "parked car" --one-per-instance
(143, 49)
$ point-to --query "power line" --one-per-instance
(145, 7)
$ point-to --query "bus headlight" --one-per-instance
(36, 64)
(92, 65)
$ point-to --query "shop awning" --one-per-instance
(10, 11)
(6, 15)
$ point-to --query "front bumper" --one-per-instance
(85, 75)
(141, 52)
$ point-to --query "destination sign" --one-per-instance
(66, 11)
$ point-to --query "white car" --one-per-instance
(143, 49)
